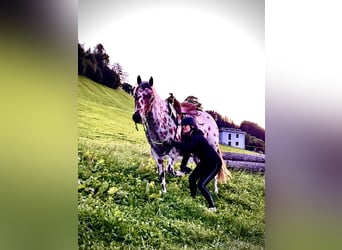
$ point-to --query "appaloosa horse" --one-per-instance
(160, 124)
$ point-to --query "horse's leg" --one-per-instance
(162, 178)
(171, 159)
(215, 185)
(161, 171)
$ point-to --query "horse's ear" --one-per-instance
(139, 79)
(151, 81)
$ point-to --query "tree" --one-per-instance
(81, 60)
(86, 62)
(102, 58)
(95, 65)
(194, 100)
(254, 144)
(127, 87)
(123, 76)
(222, 122)
(110, 78)
(253, 129)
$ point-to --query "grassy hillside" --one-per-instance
(120, 203)
(105, 115)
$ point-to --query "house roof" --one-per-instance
(232, 130)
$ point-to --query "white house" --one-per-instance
(232, 137)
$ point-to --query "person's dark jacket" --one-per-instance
(198, 145)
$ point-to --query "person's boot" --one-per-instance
(212, 209)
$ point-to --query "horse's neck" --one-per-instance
(159, 117)
(159, 112)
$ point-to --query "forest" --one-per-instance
(95, 64)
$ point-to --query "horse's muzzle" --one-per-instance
(136, 117)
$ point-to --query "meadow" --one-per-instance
(120, 203)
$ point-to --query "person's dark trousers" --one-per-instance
(203, 174)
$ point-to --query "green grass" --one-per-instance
(105, 114)
(120, 203)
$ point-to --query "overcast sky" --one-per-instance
(213, 50)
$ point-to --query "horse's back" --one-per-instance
(207, 124)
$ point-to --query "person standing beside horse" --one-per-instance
(194, 142)
(161, 125)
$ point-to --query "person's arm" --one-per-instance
(185, 160)
(185, 146)
(185, 169)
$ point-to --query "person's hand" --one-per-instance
(167, 144)
(186, 169)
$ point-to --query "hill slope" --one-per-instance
(106, 114)
(120, 203)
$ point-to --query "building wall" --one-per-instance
(233, 139)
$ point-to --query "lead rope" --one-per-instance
(145, 129)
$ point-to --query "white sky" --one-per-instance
(215, 54)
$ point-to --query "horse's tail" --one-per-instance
(224, 174)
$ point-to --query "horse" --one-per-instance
(160, 122)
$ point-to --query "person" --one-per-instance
(194, 142)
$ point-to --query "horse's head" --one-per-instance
(144, 97)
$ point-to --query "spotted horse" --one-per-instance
(160, 121)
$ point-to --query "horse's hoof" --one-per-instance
(177, 173)
(171, 172)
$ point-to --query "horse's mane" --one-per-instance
(156, 96)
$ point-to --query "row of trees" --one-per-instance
(95, 64)
(255, 135)
(253, 129)
(254, 144)
(224, 122)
